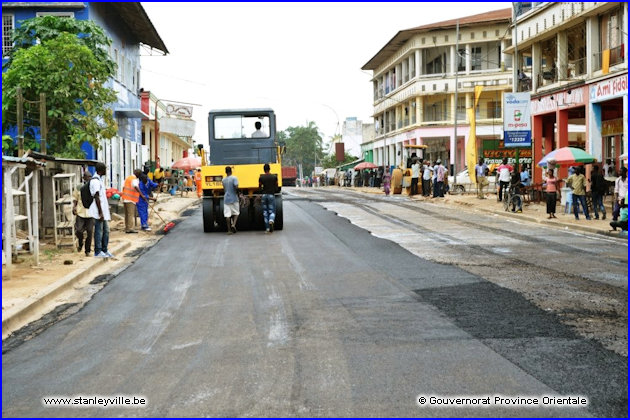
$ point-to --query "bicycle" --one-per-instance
(511, 197)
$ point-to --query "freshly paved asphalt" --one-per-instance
(320, 319)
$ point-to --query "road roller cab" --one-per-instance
(243, 139)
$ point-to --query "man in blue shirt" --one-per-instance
(230, 200)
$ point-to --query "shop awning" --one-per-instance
(131, 113)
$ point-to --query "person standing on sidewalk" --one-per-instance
(481, 169)
(99, 211)
(598, 190)
(504, 171)
(231, 208)
(552, 191)
(621, 190)
(426, 179)
(415, 175)
(438, 176)
(131, 195)
(577, 182)
(83, 222)
(268, 184)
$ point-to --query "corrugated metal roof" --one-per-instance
(23, 160)
(138, 23)
(403, 36)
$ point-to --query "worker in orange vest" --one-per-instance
(198, 182)
(130, 196)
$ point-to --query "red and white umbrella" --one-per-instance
(187, 163)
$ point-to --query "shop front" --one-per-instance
(608, 125)
(559, 119)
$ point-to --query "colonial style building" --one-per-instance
(174, 127)
(129, 27)
(417, 77)
(573, 56)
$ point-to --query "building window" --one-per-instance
(461, 59)
(493, 110)
(475, 58)
(7, 33)
(611, 35)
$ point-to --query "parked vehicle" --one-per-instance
(289, 176)
(466, 185)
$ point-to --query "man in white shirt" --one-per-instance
(621, 190)
(426, 179)
(99, 211)
(415, 174)
(258, 133)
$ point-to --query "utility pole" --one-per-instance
(42, 122)
(20, 122)
(456, 90)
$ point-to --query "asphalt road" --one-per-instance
(325, 319)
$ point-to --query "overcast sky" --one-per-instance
(301, 59)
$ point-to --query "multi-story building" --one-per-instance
(174, 127)
(354, 133)
(128, 25)
(573, 56)
(414, 83)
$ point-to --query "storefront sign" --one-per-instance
(517, 120)
(612, 127)
(494, 152)
(559, 100)
(610, 88)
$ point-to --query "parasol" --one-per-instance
(365, 165)
(187, 163)
(567, 156)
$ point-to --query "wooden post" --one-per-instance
(42, 123)
(20, 122)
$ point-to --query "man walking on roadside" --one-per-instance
(99, 211)
(268, 184)
(83, 222)
(230, 200)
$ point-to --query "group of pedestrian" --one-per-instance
(578, 183)
(92, 223)
(96, 217)
(435, 175)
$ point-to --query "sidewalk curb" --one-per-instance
(547, 223)
(16, 317)
(557, 224)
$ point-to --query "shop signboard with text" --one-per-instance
(517, 121)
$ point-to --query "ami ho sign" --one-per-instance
(609, 88)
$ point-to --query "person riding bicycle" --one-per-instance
(516, 186)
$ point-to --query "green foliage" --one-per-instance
(72, 71)
(304, 145)
(45, 28)
(7, 144)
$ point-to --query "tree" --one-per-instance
(304, 146)
(69, 65)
